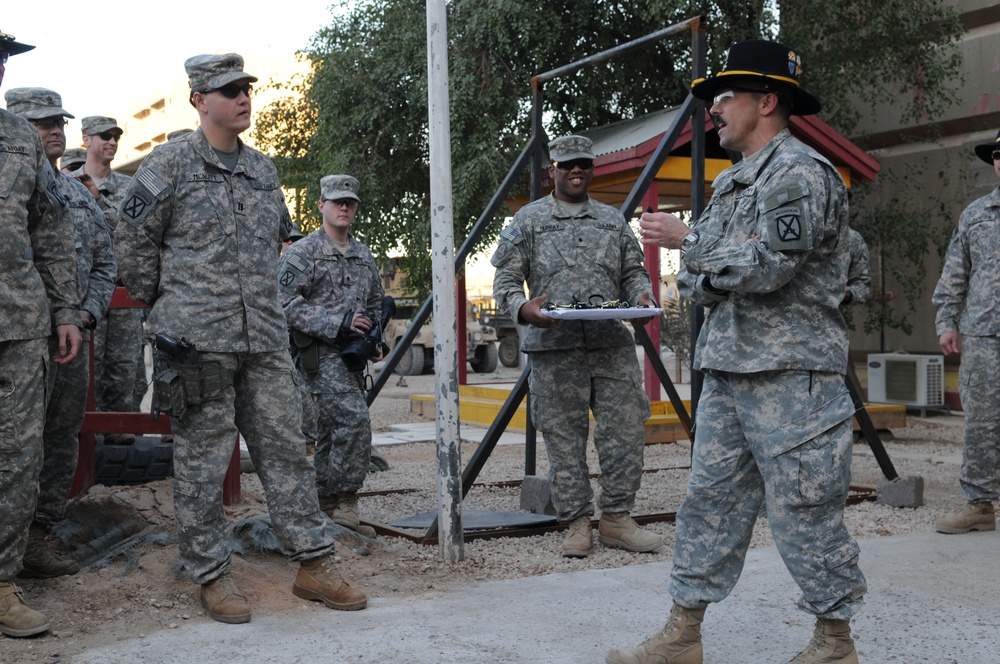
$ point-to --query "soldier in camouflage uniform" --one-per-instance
(200, 228)
(73, 160)
(767, 260)
(570, 247)
(118, 336)
(859, 270)
(68, 383)
(38, 294)
(332, 294)
(966, 302)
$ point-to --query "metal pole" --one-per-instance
(449, 486)
(698, 70)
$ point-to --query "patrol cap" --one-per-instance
(334, 187)
(35, 103)
(177, 133)
(760, 65)
(12, 47)
(296, 233)
(985, 150)
(566, 148)
(209, 72)
(73, 158)
(98, 124)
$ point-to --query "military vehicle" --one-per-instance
(481, 342)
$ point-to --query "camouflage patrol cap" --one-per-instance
(97, 124)
(296, 233)
(35, 103)
(12, 47)
(73, 158)
(334, 187)
(177, 133)
(566, 148)
(209, 72)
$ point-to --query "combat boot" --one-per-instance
(16, 619)
(42, 560)
(224, 601)
(679, 642)
(619, 531)
(344, 512)
(977, 516)
(579, 538)
(831, 644)
(318, 580)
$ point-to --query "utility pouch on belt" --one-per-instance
(308, 351)
(181, 380)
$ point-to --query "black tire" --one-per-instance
(134, 464)
(486, 358)
(510, 354)
(412, 362)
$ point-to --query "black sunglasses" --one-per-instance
(231, 90)
(108, 135)
(585, 164)
(349, 202)
(49, 123)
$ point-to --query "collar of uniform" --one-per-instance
(750, 168)
(329, 248)
(560, 212)
(205, 150)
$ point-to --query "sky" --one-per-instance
(90, 52)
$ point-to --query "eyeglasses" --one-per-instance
(231, 90)
(108, 135)
(726, 95)
(49, 123)
(996, 155)
(584, 164)
(3, 57)
(349, 202)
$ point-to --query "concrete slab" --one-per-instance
(931, 599)
(426, 432)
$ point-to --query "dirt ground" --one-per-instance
(141, 590)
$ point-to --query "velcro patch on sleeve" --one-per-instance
(294, 267)
(786, 227)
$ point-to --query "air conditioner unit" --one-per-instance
(913, 380)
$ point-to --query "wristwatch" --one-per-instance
(689, 240)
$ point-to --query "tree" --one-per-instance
(363, 108)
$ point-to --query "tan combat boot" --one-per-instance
(618, 530)
(16, 619)
(42, 560)
(831, 644)
(318, 580)
(579, 538)
(977, 516)
(343, 509)
(679, 642)
(224, 601)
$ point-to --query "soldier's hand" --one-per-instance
(70, 342)
(662, 229)
(361, 323)
(531, 313)
(88, 182)
(949, 343)
(644, 301)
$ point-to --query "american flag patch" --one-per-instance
(151, 181)
(296, 261)
(510, 234)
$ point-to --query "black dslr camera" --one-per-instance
(361, 347)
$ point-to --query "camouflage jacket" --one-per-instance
(859, 269)
(199, 243)
(966, 294)
(96, 268)
(769, 266)
(112, 192)
(592, 256)
(38, 287)
(319, 286)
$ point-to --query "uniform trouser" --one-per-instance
(264, 405)
(117, 346)
(68, 385)
(782, 439)
(564, 385)
(343, 447)
(980, 394)
(23, 365)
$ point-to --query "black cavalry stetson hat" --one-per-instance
(12, 47)
(985, 150)
(764, 64)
